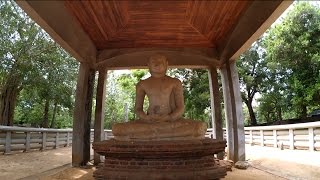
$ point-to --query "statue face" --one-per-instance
(158, 64)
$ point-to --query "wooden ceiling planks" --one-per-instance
(214, 19)
(138, 24)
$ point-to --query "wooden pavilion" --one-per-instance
(106, 35)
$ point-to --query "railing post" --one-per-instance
(106, 135)
(251, 138)
(311, 139)
(8, 143)
(291, 138)
(28, 139)
(68, 138)
(275, 140)
(57, 140)
(44, 140)
(262, 138)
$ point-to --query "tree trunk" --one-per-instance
(251, 113)
(8, 99)
(268, 117)
(279, 113)
(303, 111)
(45, 122)
(54, 115)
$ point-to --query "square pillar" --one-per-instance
(82, 116)
(215, 106)
(99, 113)
(233, 112)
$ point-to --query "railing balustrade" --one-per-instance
(26, 139)
(304, 136)
(293, 136)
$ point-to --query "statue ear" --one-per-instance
(148, 64)
(167, 63)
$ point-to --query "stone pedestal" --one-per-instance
(179, 159)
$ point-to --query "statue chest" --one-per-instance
(159, 89)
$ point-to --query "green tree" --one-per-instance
(36, 75)
(196, 93)
(293, 49)
(121, 93)
(22, 43)
(252, 73)
(55, 85)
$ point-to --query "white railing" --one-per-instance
(293, 136)
(26, 139)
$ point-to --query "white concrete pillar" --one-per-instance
(215, 106)
(99, 113)
(233, 112)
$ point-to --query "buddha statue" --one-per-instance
(163, 120)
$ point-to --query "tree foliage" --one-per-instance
(196, 93)
(293, 55)
(36, 75)
(121, 95)
(252, 74)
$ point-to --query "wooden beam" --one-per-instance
(258, 17)
(130, 58)
(215, 105)
(53, 17)
(99, 113)
(82, 116)
(233, 112)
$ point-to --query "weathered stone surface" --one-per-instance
(160, 144)
(193, 159)
(159, 149)
(163, 119)
(241, 165)
(167, 174)
(225, 163)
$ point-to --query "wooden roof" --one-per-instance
(122, 34)
(135, 24)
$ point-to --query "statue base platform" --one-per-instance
(178, 159)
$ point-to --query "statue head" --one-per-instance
(158, 65)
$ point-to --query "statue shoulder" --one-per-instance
(176, 81)
(140, 84)
(143, 83)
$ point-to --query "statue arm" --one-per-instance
(140, 94)
(179, 101)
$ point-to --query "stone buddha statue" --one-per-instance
(163, 119)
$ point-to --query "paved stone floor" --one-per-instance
(266, 163)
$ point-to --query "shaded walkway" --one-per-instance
(267, 163)
(20, 165)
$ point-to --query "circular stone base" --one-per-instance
(193, 159)
(159, 149)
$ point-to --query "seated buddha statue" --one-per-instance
(163, 119)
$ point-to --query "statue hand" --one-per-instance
(161, 118)
(155, 118)
(145, 118)
(150, 118)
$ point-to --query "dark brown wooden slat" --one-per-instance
(79, 11)
(156, 43)
(236, 15)
(150, 23)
